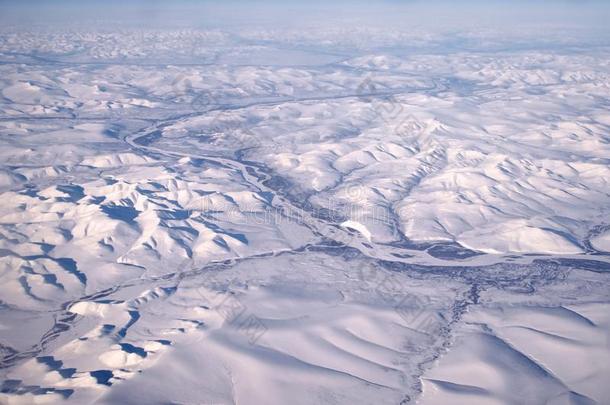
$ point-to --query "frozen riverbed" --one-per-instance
(250, 207)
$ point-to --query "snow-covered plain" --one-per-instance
(349, 211)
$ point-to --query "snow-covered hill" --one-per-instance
(342, 210)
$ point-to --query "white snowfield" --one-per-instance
(324, 212)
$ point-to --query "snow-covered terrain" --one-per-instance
(356, 206)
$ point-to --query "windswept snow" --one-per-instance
(231, 208)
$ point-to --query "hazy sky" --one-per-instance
(538, 20)
(596, 12)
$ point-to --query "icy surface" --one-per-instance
(367, 208)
